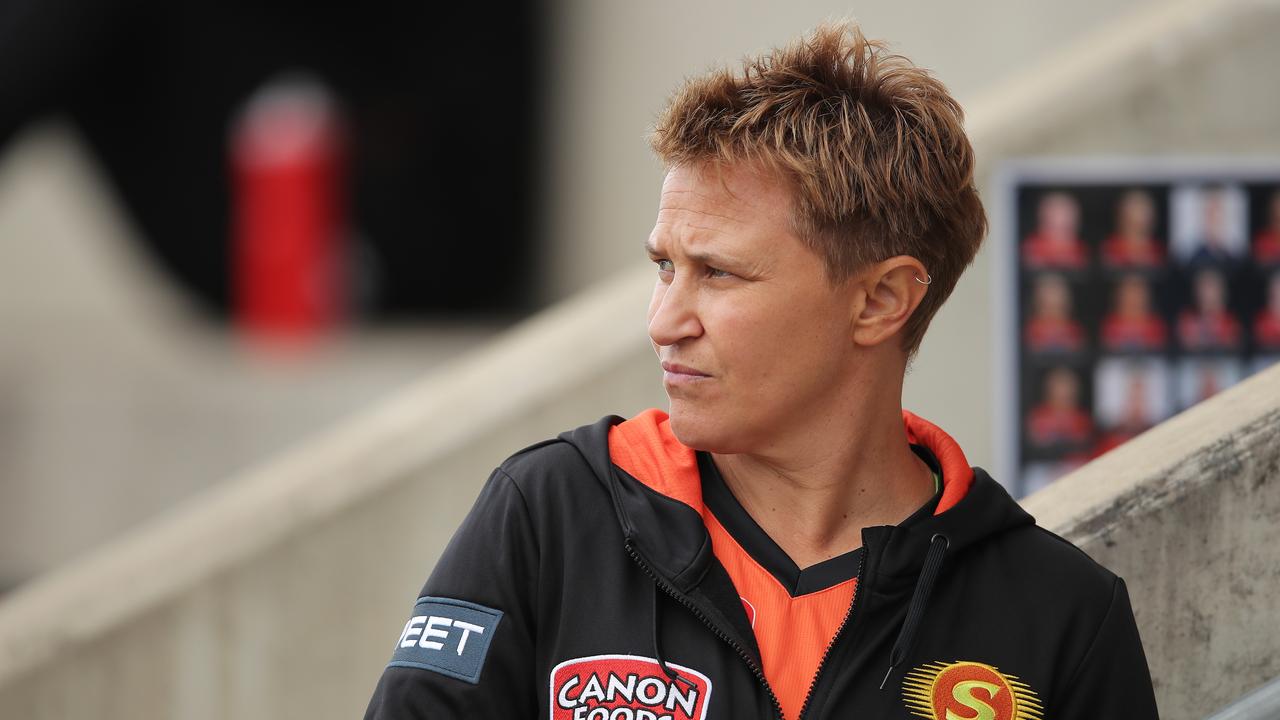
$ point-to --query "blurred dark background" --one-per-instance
(438, 109)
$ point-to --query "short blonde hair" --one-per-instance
(872, 146)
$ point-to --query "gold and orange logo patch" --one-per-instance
(968, 691)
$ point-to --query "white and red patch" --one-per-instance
(626, 687)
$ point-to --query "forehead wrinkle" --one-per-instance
(705, 227)
(688, 232)
(715, 200)
(705, 213)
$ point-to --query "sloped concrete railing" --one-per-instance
(1260, 704)
(274, 595)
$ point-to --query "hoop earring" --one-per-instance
(924, 282)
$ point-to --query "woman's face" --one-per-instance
(1052, 298)
(1062, 389)
(1059, 217)
(1133, 297)
(1137, 214)
(752, 335)
(1211, 293)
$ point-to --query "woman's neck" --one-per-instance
(815, 499)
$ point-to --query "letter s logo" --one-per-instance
(968, 690)
(963, 694)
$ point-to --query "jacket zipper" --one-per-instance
(679, 597)
(848, 616)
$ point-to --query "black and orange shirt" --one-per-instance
(794, 613)
(584, 584)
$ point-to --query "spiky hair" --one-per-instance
(872, 147)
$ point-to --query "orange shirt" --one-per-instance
(1049, 425)
(1143, 333)
(792, 627)
(795, 613)
(793, 622)
(792, 632)
(1117, 252)
(1266, 247)
(1040, 251)
(1045, 334)
(1266, 330)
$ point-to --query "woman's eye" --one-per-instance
(718, 273)
(664, 265)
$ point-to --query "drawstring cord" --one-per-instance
(672, 675)
(938, 545)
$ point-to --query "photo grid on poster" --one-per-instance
(1136, 298)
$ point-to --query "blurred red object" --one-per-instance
(289, 214)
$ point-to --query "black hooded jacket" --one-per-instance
(577, 591)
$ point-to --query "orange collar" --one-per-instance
(645, 448)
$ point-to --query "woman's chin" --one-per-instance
(699, 431)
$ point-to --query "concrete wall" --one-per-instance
(272, 595)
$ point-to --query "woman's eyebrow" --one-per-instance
(701, 256)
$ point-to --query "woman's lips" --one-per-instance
(677, 374)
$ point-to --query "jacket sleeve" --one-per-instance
(1112, 680)
(466, 649)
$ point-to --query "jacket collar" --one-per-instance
(654, 482)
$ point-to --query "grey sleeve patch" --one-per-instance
(447, 636)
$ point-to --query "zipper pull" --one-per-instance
(887, 673)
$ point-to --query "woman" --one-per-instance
(786, 541)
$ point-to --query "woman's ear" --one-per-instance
(891, 291)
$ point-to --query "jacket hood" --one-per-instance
(657, 491)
